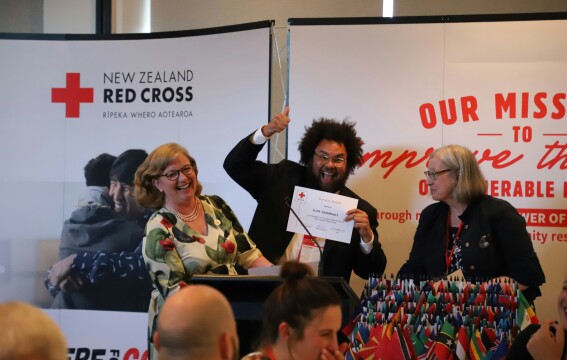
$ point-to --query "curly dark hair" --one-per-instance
(329, 129)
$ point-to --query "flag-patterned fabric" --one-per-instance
(410, 319)
(445, 341)
(463, 341)
(526, 315)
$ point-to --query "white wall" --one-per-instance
(69, 16)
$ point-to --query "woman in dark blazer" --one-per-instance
(466, 229)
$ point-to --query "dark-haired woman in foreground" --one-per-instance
(301, 318)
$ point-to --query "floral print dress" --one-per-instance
(174, 252)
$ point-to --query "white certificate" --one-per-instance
(322, 213)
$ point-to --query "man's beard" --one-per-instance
(314, 180)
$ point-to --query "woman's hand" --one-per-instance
(334, 354)
(260, 262)
(543, 344)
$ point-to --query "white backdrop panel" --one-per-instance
(381, 75)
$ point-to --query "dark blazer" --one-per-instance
(270, 185)
(494, 242)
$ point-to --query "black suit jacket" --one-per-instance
(507, 248)
(270, 185)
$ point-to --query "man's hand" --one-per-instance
(277, 124)
(62, 277)
(544, 344)
(361, 223)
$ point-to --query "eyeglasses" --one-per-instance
(433, 174)
(174, 174)
(337, 160)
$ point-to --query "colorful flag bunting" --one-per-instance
(525, 314)
(463, 341)
(398, 319)
(443, 347)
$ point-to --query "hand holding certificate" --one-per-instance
(322, 213)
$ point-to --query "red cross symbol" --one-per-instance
(301, 195)
(72, 95)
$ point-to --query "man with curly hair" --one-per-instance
(329, 152)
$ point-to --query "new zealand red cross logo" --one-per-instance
(72, 95)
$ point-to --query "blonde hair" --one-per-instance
(145, 192)
(29, 333)
(466, 172)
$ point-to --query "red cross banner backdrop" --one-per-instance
(65, 99)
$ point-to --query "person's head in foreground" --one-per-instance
(28, 333)
(196, 322)
(301, 317)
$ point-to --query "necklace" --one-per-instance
(190, 217)
(449, 254)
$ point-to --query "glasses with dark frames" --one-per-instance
(434, 174)
(174, 174)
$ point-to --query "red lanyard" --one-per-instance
(449, 255)
(307, 242)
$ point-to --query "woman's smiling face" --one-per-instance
(320, 333)
(181, 190)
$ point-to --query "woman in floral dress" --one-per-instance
(189, 233)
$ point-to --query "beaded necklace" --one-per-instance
(190, 217)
